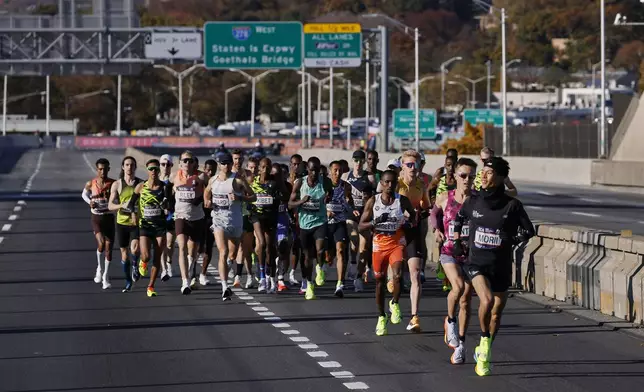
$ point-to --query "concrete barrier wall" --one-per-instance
(550, 170)
(597, 270)
(618, 173)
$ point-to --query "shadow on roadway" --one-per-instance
(9, 157)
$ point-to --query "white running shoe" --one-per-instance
(250, 282)
(271, 286)
(291, 278)
(231, 271)
(262, 286)
(237, 281)
(98, 278)
(185, 287)
(458, 357)
(451, 333)
(106, 283)
(168, 268)
(358, 286)
(203, 280)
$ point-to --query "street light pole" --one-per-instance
(443, 69)
(253, 80)
(229, 90)
(349, 114)
(180, 76)
(506, 148)
(367, 87)
(602, 128)
(309, 109)
(47, 106)
(489, 82)
(331, 107)
(416, 90)
(4, 106)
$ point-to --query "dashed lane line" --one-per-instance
(303, 342)
(13, 217)
(6, 227)
(588, 214)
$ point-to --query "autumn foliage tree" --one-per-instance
(471, 143)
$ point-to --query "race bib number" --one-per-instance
(465, 231)
(220, 201)
(358, 198)
(152, 212)
(100, 204)
(264, 200)
(311, 206)
(186, 194)
(334, 207)
(486, 238)
(388, 226)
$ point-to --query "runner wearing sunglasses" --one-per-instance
(166, 259)
(243, 256)
(189, 216)
(362, 185)
(152, 196)
(442, 220)
(207, 245)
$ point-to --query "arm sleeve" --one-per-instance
(436, 217)
(86, 196)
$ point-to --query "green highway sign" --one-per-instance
(483, 116)
(405, 123)
(252, 45)
(331, 45)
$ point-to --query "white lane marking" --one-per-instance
(545, 193)
(534, 207)
(342, 374)
(356, 385)
(641, 222)
(1, 239)
(236, 289)
(305, 342)
(13, 217)
(318, 354)
(588, 214)
(89, 164)
(22, 202)
(6, 227)
(17, 208)
(587, 200)
(329, 364)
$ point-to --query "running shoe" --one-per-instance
(135, 274)
(451, 333)
(169, 269)
(151, 292)
(339, 290)
(291, 278)
(237, 281)
(262, 286)
(250, 283)
(358, 286)
(458, 357)
(106, 283)
(98, 278)
(447, 286)
(281, 286)
(381, 327)
(271, 287)
(303, 287)
(127, 288)
(320, 276)
(310, 292)
(440, 273)
(390, 286)
(203, 280)
(396, 316)
(143, 268)
(185, 288)
(422, 277)
(414, 324)
(227, 294)
(193, 284)
(164, 276)
(482, 355)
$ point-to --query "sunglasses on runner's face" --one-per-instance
(153, 168)
(166, 164)
(466, 176)
(187, 160)
(411, 165)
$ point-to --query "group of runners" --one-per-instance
(267, 218)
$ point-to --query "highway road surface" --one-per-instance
(59, 331)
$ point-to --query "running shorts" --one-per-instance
(230, 229)
(283, 225)
(414, 237)
(194, 230)
(246, 225)
(337, 232)
(448, 259)
(268, 221)
(308, 237)
(207, 245)
(126, 234)
(152, 229)
(499, 275)
(104, 224)
(382, 259)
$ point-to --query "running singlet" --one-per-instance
(150, 209)
(124, 217)
(415, 192)
(267, 197)
(224, 211)
(443, 187)
(388, 234)
(312, 213)
(187, 190)
(477, 180)
(101, 196)
(359, 185)
(425, 178)
(338, 204)
(449, 214)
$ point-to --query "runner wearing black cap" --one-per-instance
(497, 222)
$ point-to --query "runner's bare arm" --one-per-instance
(114, 197)
(247, 193)
(294, 201)
(510, 189)
(366, 223)
(207, 195)
(437, 211)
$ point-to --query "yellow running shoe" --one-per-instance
(143, 268)
(440, 273)
(414, 324)
(390, 286)
(151, 292)
(310, 292)
(396, 317)
(320, 276)
(381, 327)
(482, 354)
